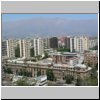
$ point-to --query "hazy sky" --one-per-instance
(14, 17)
(28, 25)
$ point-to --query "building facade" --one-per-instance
(38, 47)
(91, 58)
(67, 43)
(11, 48)
(24, 48)
(46, 42)
(54, 42)
(65, 58)
(72, 44)
(67, 66)
(80, 43)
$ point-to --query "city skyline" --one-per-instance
(69, 61)
(44, 25)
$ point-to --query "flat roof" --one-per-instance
(64, 53)
(60, 65)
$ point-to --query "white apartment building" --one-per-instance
(71, 44)
(38, 47)
(11, 48)
(46, 43)
(80, 43)
(24, 48)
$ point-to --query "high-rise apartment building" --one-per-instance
(72, 44)
(54, 42)
(80, 43)
(11, 48)
(24, 48)
(67, 43)
(38, 47)
(46, 42)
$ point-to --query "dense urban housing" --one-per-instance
(50, 61)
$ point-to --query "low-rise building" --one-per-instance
(65, 58)
(69, 65)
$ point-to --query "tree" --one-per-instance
(45, 55)
(25, 73)
(8, 70)
(32, 52)
(89, 64)
(63, 49)
(34, 60)
(17, 51)
(78, 81)
(50, 75)
(92, 81)
(38, 57)
(22, 82)
(69, 79)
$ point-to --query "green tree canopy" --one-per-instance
(25, 73)
(63, 49)
(8, 70)
(78, 81)
(69, 79)
(22, 82)
(45, 55)
(50, 75)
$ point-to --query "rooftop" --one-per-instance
(65, 53)
(60, 65)
(81, 65)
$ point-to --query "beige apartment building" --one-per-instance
(24, 46)
(91, 58)
(38, 47)
(81, 43)
(11, 48)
